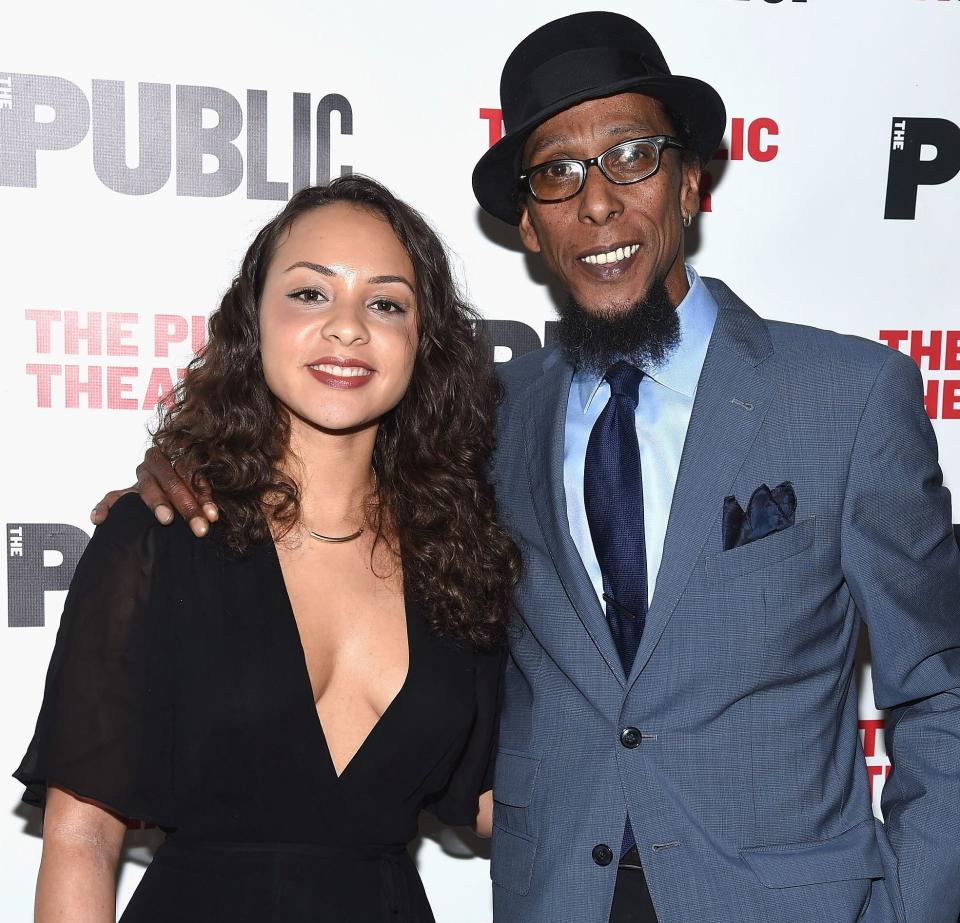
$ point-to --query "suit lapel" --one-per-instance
(544, 430)
(731, 402)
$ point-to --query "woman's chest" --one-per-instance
(247, 708)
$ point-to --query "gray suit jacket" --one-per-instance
(748, 794)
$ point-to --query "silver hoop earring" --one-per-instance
(687, 220)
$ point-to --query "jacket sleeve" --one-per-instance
(901, 562)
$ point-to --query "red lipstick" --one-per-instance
(341, 381)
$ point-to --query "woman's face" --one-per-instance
(338, 318)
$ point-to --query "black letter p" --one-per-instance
(908, 172)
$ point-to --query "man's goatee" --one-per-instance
(643, 333)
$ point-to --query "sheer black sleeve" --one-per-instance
(104, 730)
(473, 775)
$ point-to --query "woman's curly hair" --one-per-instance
(432, 451)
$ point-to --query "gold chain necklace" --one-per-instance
(335, 539)
(342, 539)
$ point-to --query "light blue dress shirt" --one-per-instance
(663, 415)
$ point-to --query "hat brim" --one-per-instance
(495, 175)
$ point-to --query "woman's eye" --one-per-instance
(307, 295)
(385, 306)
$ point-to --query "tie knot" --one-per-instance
(624, 380)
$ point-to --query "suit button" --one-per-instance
(630, 738)
(602, 854)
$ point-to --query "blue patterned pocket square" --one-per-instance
(767, 512)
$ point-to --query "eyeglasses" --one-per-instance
(624, 163)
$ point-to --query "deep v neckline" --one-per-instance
(307, 686)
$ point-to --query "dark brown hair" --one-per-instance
(684, 134)
(432, 451)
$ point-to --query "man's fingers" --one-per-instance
(205, 496)
(152, 495)
(99, 512)
(162, 488)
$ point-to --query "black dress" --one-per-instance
(178, 694)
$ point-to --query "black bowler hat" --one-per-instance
(573, 59)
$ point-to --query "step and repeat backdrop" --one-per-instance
(141, 149)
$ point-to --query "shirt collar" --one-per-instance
(680, 369)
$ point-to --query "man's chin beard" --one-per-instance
(642, 333)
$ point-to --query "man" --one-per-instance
(694, 721)
(709, 506)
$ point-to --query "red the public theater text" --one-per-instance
(933, 351)
(748, 140)
(109, 334)
(873, 749)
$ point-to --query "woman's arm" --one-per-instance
(78, 871)
(484, 824)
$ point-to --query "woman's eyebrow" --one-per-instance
(383, 280)
(316, 267)
(327, 271)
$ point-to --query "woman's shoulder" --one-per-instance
(129, 515)
(132, 527)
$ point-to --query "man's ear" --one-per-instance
(528, 231)
(690, 186)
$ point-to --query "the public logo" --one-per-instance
(751, 140)
(176, 137)
(923, 152)
(41, 557)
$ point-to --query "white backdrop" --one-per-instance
(110, 257)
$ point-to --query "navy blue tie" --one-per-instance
(613, 499)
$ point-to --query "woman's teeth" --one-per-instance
(611, 256)
(342, 371)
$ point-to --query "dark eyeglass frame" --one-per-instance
(659, 142)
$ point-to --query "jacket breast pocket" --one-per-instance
(764, 552)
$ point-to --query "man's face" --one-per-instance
(603, 216)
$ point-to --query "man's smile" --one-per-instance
(614, 255)
(610, 264)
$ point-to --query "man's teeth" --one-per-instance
(611, 256)
(342, 371)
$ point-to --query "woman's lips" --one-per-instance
(339, 373)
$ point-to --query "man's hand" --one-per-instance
(163, 490)
(484, 823)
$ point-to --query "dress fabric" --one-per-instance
(178, 694)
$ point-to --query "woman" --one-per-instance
(284, 696)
